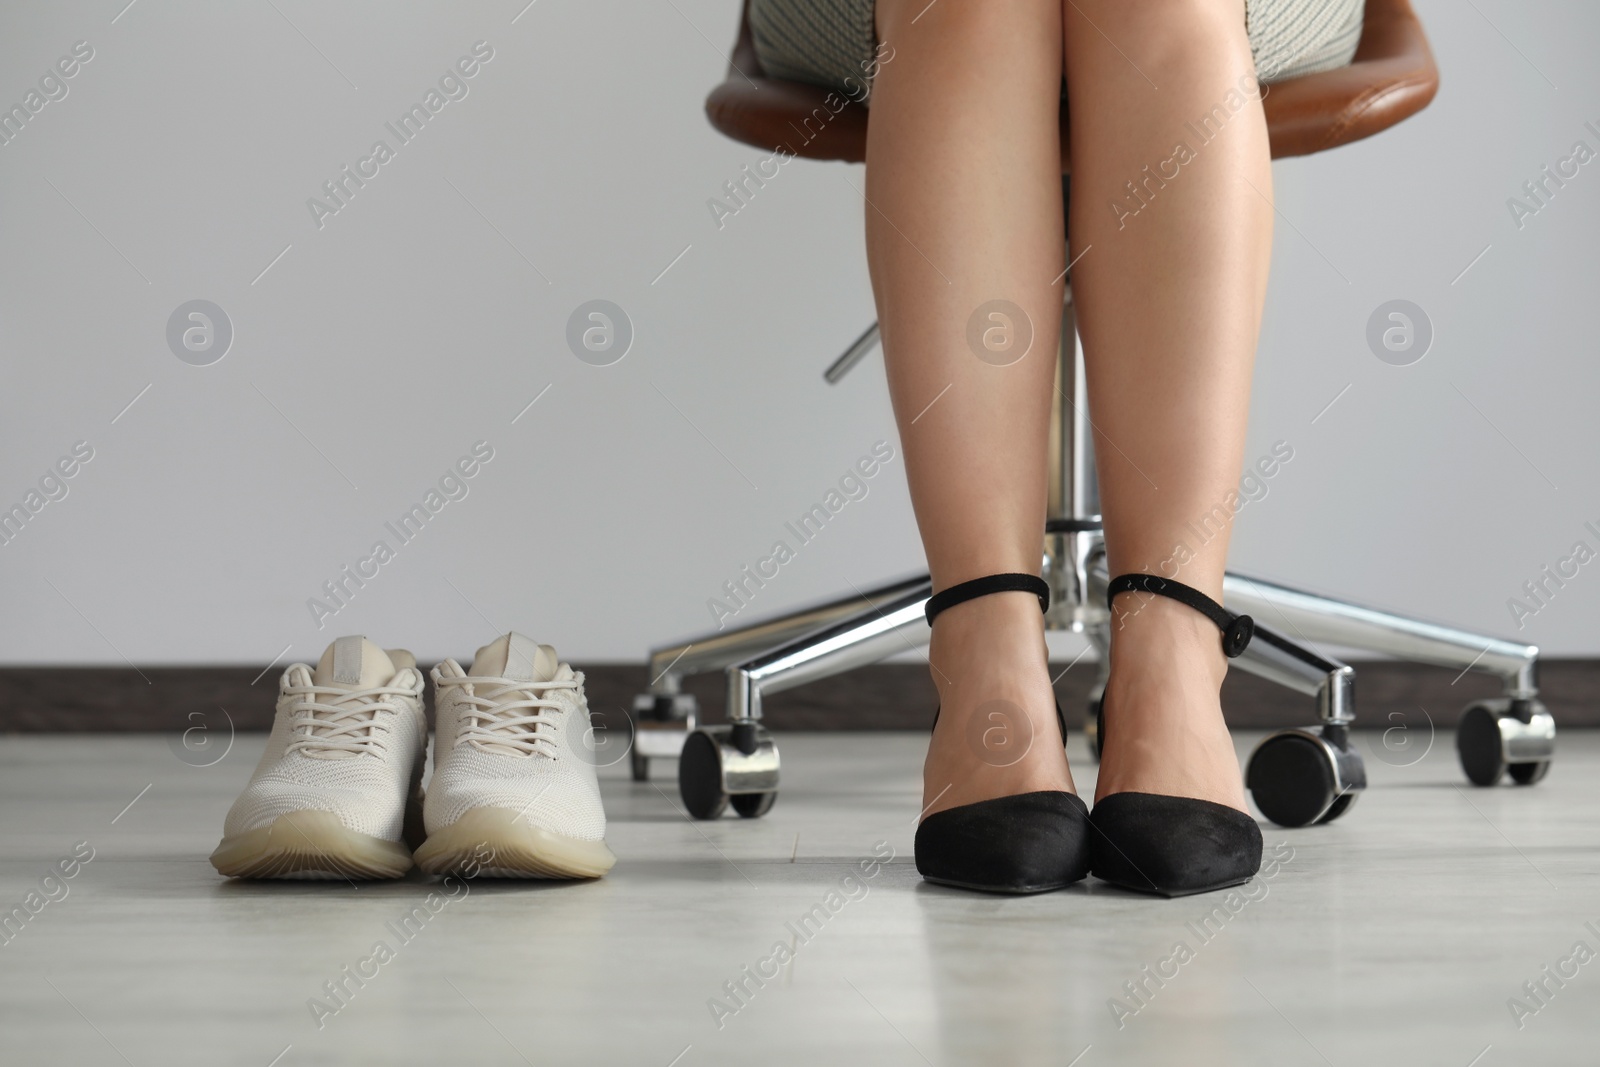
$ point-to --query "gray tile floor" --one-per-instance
(1396, 936)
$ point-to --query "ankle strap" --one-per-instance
(993, 583)
(1236, 629)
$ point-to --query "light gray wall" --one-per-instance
(428, 312)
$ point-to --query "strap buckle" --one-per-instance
(1237, 630)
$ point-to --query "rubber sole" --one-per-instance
(497, 843)
(1002, 890)
(309, 845)
(1174, 894)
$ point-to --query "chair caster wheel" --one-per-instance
(1528, 773)
(737, 762)
(661, 723)
(753, 805)
(1094, 725)
(1495, 737)
(1301, 777)
(700, 776)
(1342, 804)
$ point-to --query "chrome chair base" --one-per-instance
(1297, 777)
(867, 629)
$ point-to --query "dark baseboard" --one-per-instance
(884, 697)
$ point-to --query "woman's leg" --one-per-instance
(1168, 292)
(964, 207)
(963, 210)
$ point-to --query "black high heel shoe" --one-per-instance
(1025, 843)
(1175, 846)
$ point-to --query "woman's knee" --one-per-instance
(1159, 32)
(981, 27)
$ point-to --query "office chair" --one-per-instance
(1296, 777)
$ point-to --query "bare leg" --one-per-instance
(963, 165)
(1169, 292)
(963, 153)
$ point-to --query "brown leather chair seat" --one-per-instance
(1392, 77)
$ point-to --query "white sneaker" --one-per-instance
(340, 781)
(514, 768)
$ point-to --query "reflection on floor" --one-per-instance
(1433, 924)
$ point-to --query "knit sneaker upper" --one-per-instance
(515, 734)
(347, 738)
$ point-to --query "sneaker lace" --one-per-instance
(510, 712)
(347, 721)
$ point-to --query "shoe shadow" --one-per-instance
(405, 887)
